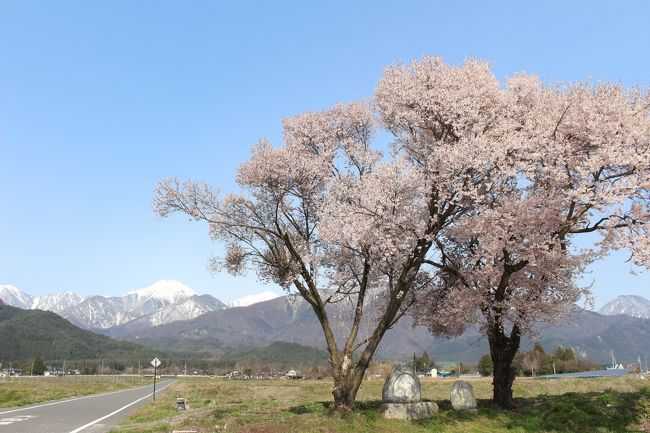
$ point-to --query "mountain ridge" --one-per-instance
(631, 305)
(161, 302)
(248, 300)
(587, 333)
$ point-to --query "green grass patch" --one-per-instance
(600, 405)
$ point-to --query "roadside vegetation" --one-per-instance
(615, 405)
(21, 391)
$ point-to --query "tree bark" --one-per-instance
(345, 393)
(503, 349)
(348, 374)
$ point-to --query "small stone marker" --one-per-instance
(181, 404)
(402, 386)
(402, 395)
(462, 396)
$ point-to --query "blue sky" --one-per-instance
(100, 100)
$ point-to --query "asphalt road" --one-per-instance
(96, 413)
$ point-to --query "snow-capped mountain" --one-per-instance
(253, 299)
(190, 308)
(57, 302)
(164, 290)
(162, 302)
(98, 312)
(15, 297)
(631, 305)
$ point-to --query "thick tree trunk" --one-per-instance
(348, 376)
(345, 393)
(504, 376)
(503, 349)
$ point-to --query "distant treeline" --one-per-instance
(537, 362)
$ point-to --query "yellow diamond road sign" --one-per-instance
(155, 362)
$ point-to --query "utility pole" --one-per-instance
(185, 371)
(64, 367)
(640, 364)
(154, 381)
(102, 367)
(139, 368)
(554, 373)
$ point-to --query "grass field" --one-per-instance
(21, 391)
(586, 405)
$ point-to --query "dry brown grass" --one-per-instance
(596, 405)
(21, 391)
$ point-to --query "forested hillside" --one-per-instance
(26, 333)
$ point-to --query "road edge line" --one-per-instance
(118, 410)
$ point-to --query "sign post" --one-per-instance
(155, 363)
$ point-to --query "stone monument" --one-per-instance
(462, 396)
(402, 397)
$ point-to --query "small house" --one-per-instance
(293, 374)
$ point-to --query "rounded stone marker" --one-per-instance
(402, 386)
(462, 396)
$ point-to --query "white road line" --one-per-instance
(114, 412)
(72, 399)
(7, 421)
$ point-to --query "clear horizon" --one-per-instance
(103, 100)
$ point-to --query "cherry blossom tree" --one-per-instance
(570, 160)
(472, 213)
(329, 218)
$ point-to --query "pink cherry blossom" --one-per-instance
(470, 218)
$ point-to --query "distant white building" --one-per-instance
(293, 374)
(10, 372)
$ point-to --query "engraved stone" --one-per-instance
(462, 396)
(402, 386)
